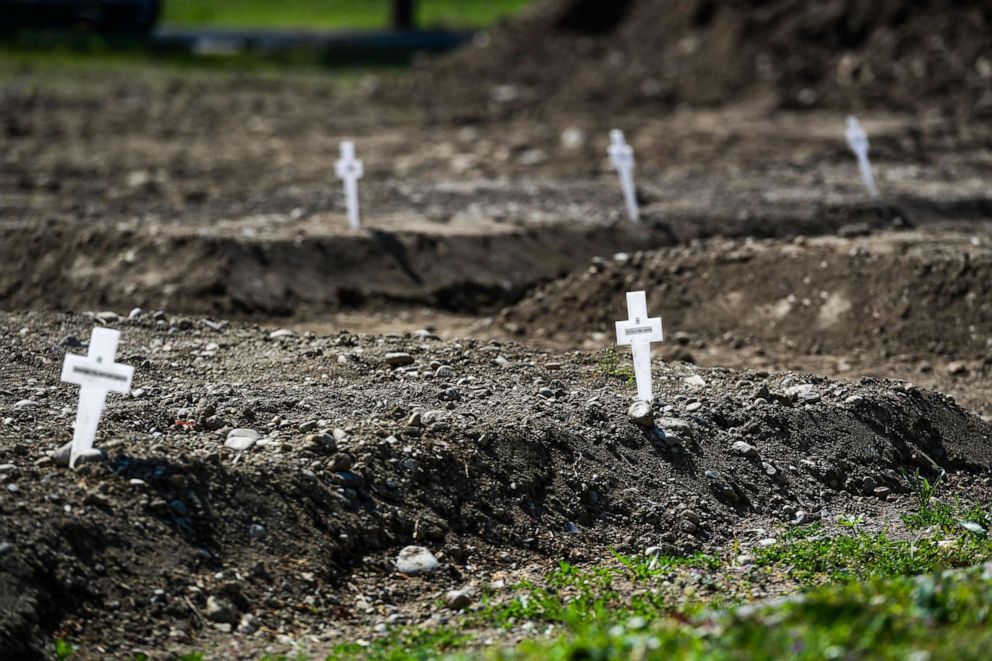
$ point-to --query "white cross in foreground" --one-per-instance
(98, 375)
(857, 140)
(639, 332)
(350, 169)
(622, 159)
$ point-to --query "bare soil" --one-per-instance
(519, 457)
(493, 220)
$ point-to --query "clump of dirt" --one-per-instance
(485, 453)
(903, 293)
(846, 54)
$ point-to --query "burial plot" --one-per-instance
(622, 159)
(97, 375)
(857, 140)
(639, 332)
(350, 169)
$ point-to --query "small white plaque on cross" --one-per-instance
(97, 375)
(857, 140)
(622, 159)
(639, 332)
(350, 170)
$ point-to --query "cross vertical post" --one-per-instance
(857, 140)
(639, 331)
(97, 375)
(622, 159)
(350, 170)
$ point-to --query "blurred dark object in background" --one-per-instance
(133, 17)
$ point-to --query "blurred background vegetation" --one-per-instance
(332, 14)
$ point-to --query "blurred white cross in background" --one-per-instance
(857, 140)
(622, 159)
(350, 169)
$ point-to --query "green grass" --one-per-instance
(332, 14)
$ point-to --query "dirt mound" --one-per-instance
(505, 454)
(613, 56)
(889, 294)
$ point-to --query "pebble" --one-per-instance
(640, 413)
(221, 610)
(282, 332)
(416, 560)
(546, 393)
(957, 368)
(398, 359)
(805, 392)
(25, 404)
(257, 531)
(459, 599)
(695, 380)
(695, 406)
(745, 449)
(323, 443)
(135, 313)
(70, 341)
(242, 439)
(445, 372)
(61, 456)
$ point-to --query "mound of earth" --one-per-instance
(628, 54)
(895, 293)
(490, 455)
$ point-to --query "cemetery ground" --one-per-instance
(781, 458)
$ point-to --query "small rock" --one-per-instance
(695, 380)
(308, 426)
(805, 392)
(458, 600)
(745, 449)
(135, 313)
(70, 341)
(221, 610)
(398, 359)
(546, 393)
(445, 372)
(416, 560)
(695, 406)
(641, 413)
(957, 368)
(25, 404)
(282, 332)
(107, 317)
(242, 439)
(322, 443)
(61, 456)
(257, 531)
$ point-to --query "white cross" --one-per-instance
(639, 332)
(98, 375)
(622, 159)
(857, 140)
(350, 169)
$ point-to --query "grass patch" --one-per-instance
(340, 14)
(885, 618)
(847, 558)
(610, 367)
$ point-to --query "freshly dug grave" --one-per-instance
(491, 455)
(911, 293)
(842, 54)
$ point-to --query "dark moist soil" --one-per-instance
(905, 293)
(520, 457)
(648, 55)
